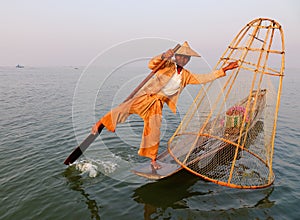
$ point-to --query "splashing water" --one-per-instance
(86, 167)
(107, 166)
(93, 167)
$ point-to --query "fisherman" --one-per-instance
(165, 87)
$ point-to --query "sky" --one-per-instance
(73, 32)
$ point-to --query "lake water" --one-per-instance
(44, 115)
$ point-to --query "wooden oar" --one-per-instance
(78, 151)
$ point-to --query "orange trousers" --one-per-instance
(149, 108)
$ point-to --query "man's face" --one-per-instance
(182, 60)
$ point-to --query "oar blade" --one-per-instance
(78, 151)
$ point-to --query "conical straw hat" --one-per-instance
(185, 49)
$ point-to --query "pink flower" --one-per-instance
(237, 110)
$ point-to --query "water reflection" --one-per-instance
(76, 183)
(186, 193)
(169, 192)
(266, 202)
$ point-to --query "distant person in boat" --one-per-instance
(165, 87)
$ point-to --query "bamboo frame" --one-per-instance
(259, 69)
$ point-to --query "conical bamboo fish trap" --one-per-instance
(227, 135)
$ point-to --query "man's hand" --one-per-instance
(168, 54)
(230, 66)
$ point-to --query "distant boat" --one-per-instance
(19, 66)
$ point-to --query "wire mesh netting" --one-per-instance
(227, 135)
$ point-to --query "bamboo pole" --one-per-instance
(277, 106)
(252, 86)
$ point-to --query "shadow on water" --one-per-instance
(75, 183)
(266, 202)
(169, 192)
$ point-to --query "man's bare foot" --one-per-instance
(155, 165)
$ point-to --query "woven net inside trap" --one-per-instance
(227, 135)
